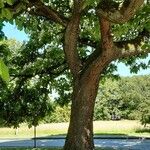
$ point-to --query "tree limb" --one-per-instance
(87, 42)
(122, 15)
(104, 53)
(38, 8)
(132, 47)
(107, 40)
(45, 71)
(71, 39)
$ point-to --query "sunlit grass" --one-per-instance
(124, 127)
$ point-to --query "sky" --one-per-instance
(11, 31)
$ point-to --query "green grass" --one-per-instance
(122, 128)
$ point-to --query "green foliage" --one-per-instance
(145, 119)
(1, 32)
(10, 2)
(6, 13)
(136, 95)
(127, 98)
(60, 114)
(108, 101)
(89, 3)
(4, 73)
(39, 66)
(29, 104)
(6, 10)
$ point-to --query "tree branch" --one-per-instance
(17, 7)
(71, 39)
(133, 47)
(104, 53)
(107, 40)
(122, 15)
(38, 8)
(87, 42)
(46, 71)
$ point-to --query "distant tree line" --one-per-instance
(126, 98)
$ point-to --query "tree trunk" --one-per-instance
(80, 132)
(85, 87)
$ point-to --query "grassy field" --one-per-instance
(124, 127)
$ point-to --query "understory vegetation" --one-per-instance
(125, 98)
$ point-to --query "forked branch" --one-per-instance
(133, 47)
(123, 14)
(71, 39)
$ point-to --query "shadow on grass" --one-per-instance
(144, 130)
(96, 136)
(110, 134)
(104, 143)
(49, 148)
(62, 136)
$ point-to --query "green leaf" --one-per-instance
(6, 13)
(147, 26)
(90, 3)
(4, 73)
(1, 4)
(10, 2)
(19, 24)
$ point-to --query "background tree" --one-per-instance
(128, 96)
(108, 101)
(135, 94)
(60, 114)
(92, 34)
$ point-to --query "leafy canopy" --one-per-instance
(44, 64)
(4, 73)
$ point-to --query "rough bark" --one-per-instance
(80, 133)
(120, 15)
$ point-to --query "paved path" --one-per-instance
(123, 144)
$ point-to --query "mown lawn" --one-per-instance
(123, 127)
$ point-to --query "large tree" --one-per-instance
(92, 34)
